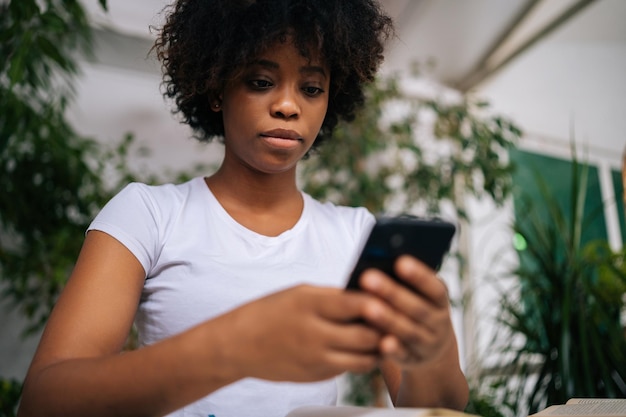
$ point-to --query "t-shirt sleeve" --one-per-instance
(367, 221)
(360, 222)
(363, 223)
(132, 217)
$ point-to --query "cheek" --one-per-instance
(236, 117)
(234, 128)
(319, 111)
(322, 116)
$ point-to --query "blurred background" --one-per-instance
(556, 68)
(547, 64)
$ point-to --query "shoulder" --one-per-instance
(354, 220)
(147, 206)
(142, 217)
(156, 193)
(158, 199)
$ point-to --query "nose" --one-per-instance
(285, 105)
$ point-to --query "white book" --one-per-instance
(587, 407)
(353, 411)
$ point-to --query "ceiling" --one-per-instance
(547, 64)
(460, 43)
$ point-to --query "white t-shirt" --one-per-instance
(200, 263)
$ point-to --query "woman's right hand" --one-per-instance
(303, 333)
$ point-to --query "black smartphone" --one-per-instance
(427, 239)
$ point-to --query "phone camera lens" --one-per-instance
(396, 240)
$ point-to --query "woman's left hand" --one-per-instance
(420, 329)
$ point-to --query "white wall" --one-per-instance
(571, 78)
(112, 102)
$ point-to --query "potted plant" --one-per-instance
(560, 333)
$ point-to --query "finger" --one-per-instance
(347, 306)
(411, 304)
(344, 307)
(392, 348)
(353, 337)
(353, 362)
(419, 276)
(389, 320)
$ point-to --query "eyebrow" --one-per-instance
(308, 69)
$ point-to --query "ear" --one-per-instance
(216, 103)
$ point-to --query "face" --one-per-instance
(274, 110)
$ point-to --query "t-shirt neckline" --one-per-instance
(217, 209)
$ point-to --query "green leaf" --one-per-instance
(53, 52)
(16, 70)
(51, 178)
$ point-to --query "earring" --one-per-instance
(216, 105)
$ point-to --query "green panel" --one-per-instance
(557, 175)
(618, 187)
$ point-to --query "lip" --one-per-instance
(282, 134)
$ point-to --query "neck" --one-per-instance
(254, 190)
(268, 205)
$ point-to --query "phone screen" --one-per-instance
(426, 239)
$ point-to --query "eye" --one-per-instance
(312, 91)
(260, 84)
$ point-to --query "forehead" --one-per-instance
(283, 50)
(287, 50)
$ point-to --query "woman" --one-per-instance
(235, 280)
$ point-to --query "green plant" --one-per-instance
(10, 391)
(405, 153)
(53, 179)
(365, 389)
(561, 320)
(483, 404)
(52, 176)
